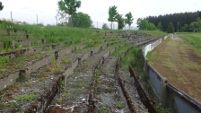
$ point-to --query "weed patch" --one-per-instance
(25, 97)
(103, 109)
(66, 60)
(119, 104)
(60, 85)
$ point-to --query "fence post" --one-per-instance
(163, 91)
(36, 18)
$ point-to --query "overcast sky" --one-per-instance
(26, 10)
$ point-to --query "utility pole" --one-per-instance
(11, 15)
(56, 20)
(36, 19)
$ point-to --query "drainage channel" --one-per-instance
(129, 90)
(107, 94)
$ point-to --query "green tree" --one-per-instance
(1, 6)
(129, 19)
(170, 28)
(81, 20)
(151, 26)
(142, 24)
(159, 26)
(69, 6)
(112, 14)
(105, 26)
(121, 21)
(194, 26)
(185, 28)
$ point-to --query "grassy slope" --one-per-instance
(192, 38)
(155, 33)
(179, 61)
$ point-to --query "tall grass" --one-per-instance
(192, 38)
(57, 34)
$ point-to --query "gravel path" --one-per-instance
(132, 91)
(108, 94)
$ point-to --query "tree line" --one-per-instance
(114, 16)
(182, 22)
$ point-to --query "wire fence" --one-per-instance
(48, 20)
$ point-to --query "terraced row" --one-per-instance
(76, 94)
(37, 83)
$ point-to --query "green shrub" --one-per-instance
(4, 59)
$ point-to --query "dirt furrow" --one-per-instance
(108, 97)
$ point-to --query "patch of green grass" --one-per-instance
(77, 51)
(74, 92)
(149, 55)
(55, 34)
(66, 60)
(114, 45)
(68, 93)
(160, 109)
(170, 65)
(150, 91)
(16, 107)
(56, 66)
(7, 44)
(81, 84)
(119, 104)
(102, 109)
(193, 39)
(25, 97)
(60, 85)
(4, 59)
(133, 57)
(120, 51)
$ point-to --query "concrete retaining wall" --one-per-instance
(170, 96)
(180, 102)
(8, 80)
(39, 63)
(65, 52)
